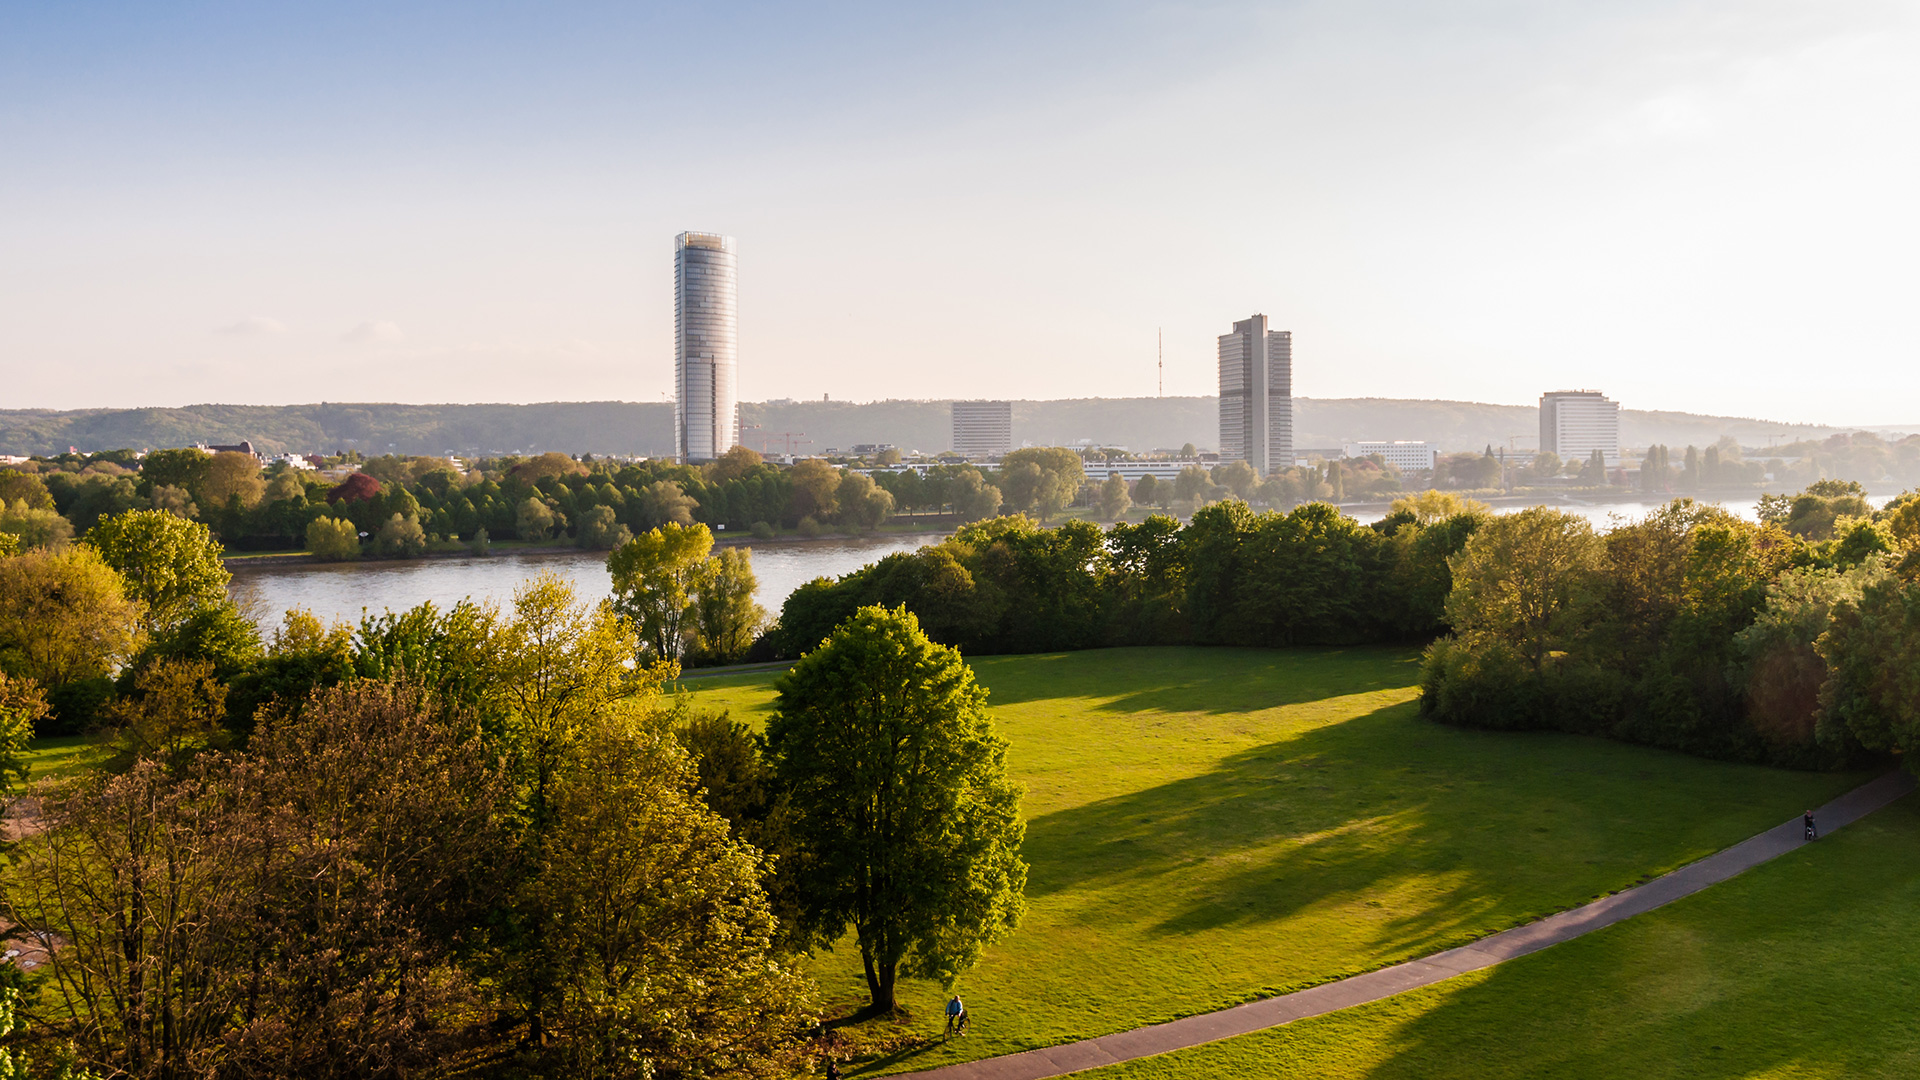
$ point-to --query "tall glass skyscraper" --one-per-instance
(1256, 395)
(706, 421)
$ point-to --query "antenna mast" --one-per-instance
(1160, 336)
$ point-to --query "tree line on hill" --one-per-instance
(474, 841)
(646, 428)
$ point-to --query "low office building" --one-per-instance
(1401, 454)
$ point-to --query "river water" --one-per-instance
(344, 590)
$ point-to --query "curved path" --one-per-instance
(1375, 985)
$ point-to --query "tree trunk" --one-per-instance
(880, 984)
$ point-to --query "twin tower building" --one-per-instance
(1256, 367)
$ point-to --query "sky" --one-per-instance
(1701, 205)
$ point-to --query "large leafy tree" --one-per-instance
(1872, 650)
(655, 576)
(903, 819)
(64, 616)
(661, 933)
(725, 617)
(1041, 479)
(1523, 580)
(169, 564)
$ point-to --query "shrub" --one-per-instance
(762, 531)
(333, 539)
(401, 538)
(809, 527)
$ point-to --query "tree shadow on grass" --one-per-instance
(1447, 834)
(1196, 679)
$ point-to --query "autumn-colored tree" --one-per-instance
(356, 488)
(232, 475)
(816, 487)
(64, 616)
(662, 936)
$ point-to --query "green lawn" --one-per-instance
(1212, 825)
(1802, 968)
(62, 757)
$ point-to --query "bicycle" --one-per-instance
(957, 1025)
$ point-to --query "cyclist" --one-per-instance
(1812, 830)
(956, 1016)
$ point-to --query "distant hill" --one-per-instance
(646, 428)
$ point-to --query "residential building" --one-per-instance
(1575, 423)
(1401, 454)
(983, 429)
(1256, 395)
(706, 414)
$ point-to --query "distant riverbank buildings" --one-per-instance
(1575, 423)
(706, 402)
(982, 430)
(1256, 395)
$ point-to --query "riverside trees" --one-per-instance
(684, 599)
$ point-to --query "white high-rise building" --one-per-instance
(983, 430)
(1575, 423)
(1256, 395)
(706, 404)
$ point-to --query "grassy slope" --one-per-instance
(1801, 968)
(1209, 825)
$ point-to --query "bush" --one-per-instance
(401, 538)
(809, 527)
(762, 531)
(481, 544)
(333, 539)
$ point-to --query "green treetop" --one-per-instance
(905, 825)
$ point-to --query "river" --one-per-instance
(344, 590)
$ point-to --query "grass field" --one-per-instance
(62, 757)
(1212, 825)
(1801, 968)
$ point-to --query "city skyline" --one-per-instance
(353, 203)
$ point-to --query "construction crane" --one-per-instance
(789, 436)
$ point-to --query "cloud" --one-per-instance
(255, 326)
(380, 331)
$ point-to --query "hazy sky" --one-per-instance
(1701, 205)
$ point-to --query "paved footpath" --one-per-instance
(1375, 985)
